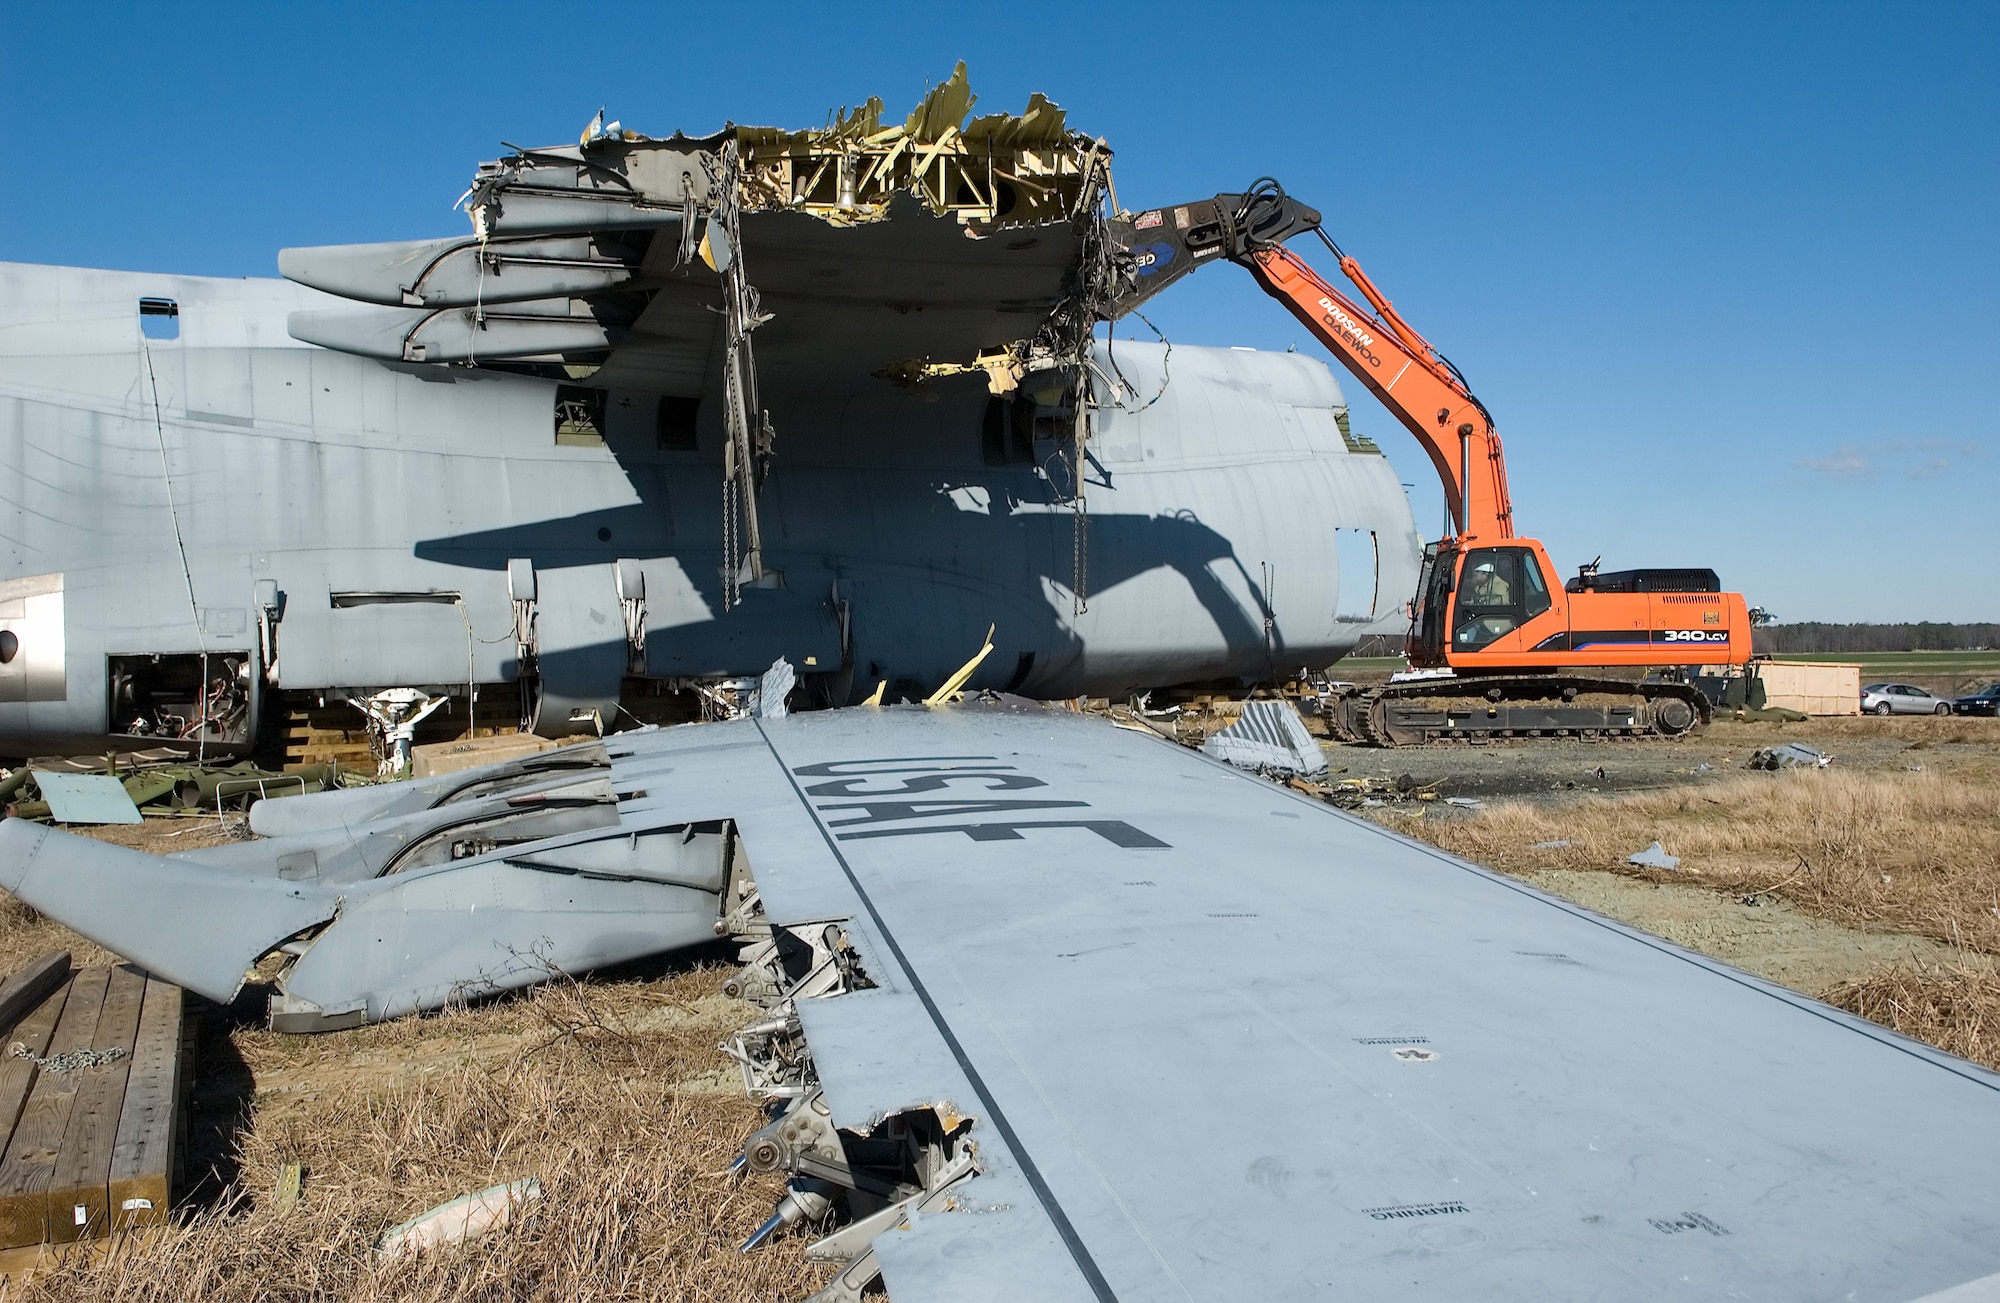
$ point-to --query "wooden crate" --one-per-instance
(1812, 687)
(91, 1091)
(333, 732)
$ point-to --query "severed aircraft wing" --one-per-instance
(874, 250)
(1224, 1041)
(1060, 1011)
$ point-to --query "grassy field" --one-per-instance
(1910, 848)
(1370, 666)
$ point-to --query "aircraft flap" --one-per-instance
(188, 922)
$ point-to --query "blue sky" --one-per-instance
(1726, 275)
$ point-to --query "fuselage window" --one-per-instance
(579, 416)
(674, 428)
(1007, 433)
(159, 319)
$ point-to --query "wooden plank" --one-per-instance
(76, 1196)
(17, 1072)
(29, 987)
(142, 1161)
(30, 1159)
(195, 1009)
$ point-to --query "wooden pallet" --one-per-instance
(89, 1150)
(337, 733)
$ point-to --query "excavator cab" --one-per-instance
(1499, 590)
(1470, 598)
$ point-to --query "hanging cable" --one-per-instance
(1166, 377)
(180, 544)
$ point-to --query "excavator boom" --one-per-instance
(1410, 377)
(1528, 653)
(1398, 365)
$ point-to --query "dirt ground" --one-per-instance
(610, 1091)
(1874, 883)
(1549, 770)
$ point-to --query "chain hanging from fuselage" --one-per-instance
(746, 454)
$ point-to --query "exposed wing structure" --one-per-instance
(1056, 1010)
(875, 246)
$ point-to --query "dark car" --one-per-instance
(1986, 701)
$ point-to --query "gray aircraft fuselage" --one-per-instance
(312, 521)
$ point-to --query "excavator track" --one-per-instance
(1526, 706)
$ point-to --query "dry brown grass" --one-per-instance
(1911, 852)
(1973, 730)
(609, 1093)
(27, 934)
(1915, 852)
(1955, 1009)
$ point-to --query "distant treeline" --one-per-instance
(1812, 636)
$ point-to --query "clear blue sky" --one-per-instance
(1726, 275)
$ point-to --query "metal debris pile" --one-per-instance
(1792, 755)
(995, 171)
(1372, 793)
(124, 787)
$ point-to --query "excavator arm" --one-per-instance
(1398, 365)
(1530, 656)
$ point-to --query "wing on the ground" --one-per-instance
(1057, 1010)
(1222, 1041)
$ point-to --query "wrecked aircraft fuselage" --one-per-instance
(545, 456)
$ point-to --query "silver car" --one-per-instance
(1902, 699)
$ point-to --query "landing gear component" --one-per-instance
(393, 716)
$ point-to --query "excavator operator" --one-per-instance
(1488, 588)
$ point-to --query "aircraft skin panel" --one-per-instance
(1204, 1067)
(1205, 548)
(1216, 1040)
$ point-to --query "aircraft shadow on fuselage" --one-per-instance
(1019, 550)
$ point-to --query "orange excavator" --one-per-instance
(1604, 655)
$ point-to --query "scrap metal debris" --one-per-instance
(1654, 857)
(773, 690)
(86, 798)
(1268, 735)
(1792, 755)
(1374, 793)
(122, 788)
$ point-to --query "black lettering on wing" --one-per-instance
(904, 765)
(890, 811)
(927, 783)
(1115, 831)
